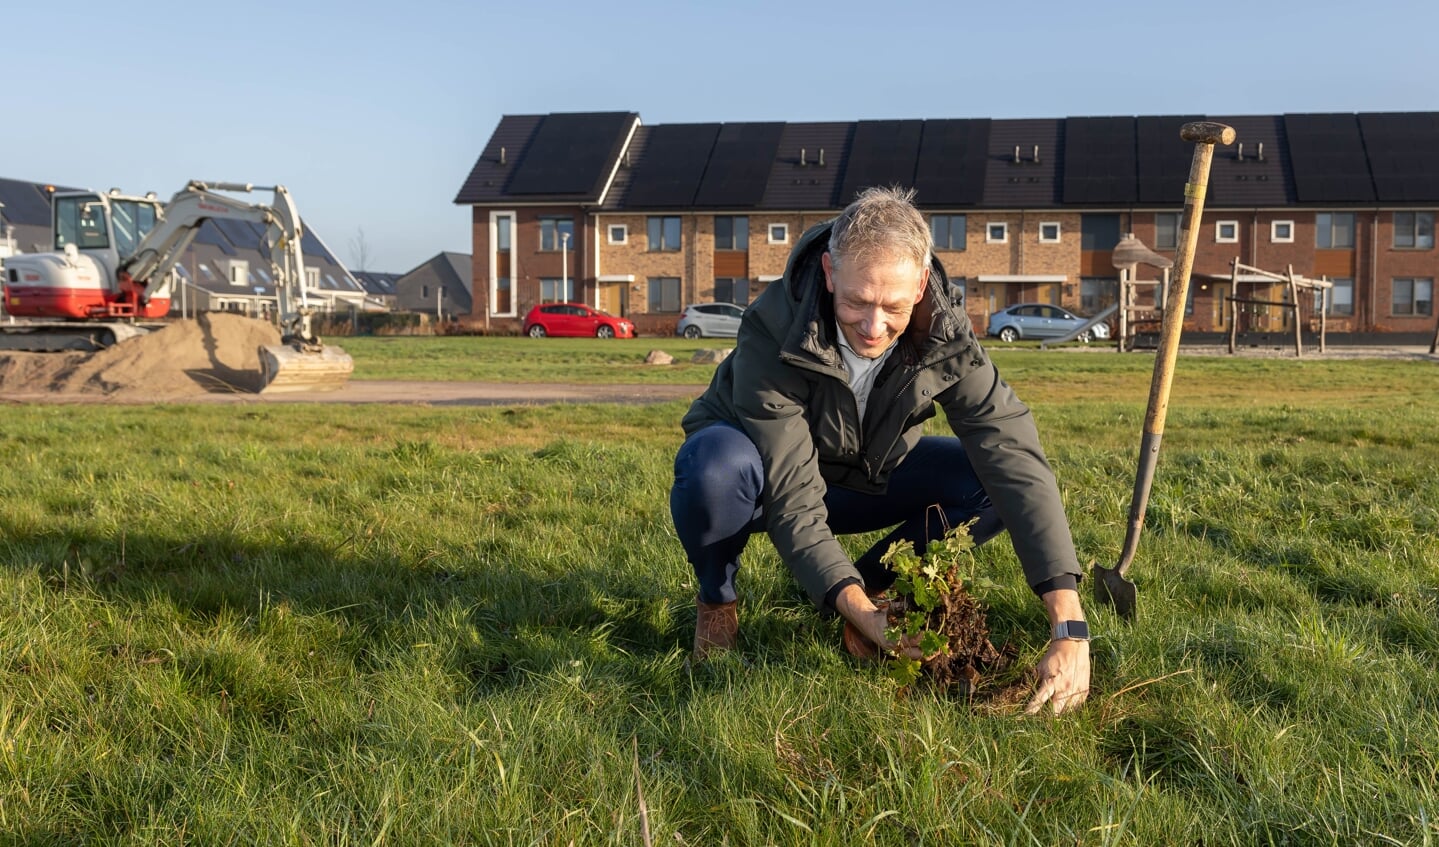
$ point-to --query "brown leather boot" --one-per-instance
(716, 627)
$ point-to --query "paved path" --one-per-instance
(416, 392)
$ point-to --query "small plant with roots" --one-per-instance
(935, 610)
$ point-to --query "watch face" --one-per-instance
(1072, 629)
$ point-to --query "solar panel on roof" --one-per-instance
(1401, 149)
(209, 233)
(240, 233)
(1100, 160)
(882, 153)
(1163, 158)
(950, 166)
(311, 246)
(1327, 155)
(570, 154)
(739, 165)
(25, 203)
(673, 166)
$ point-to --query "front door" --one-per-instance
(612, 298)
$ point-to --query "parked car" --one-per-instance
(1041, 320)
(705, 320)
(575, 319)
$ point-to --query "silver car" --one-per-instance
(1041, 320)
(710, 320)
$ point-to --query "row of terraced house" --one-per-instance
(642, 220)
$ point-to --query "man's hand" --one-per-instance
(1063, 677)
(1064, 671)
(871, 621)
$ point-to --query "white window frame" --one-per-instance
(624, 231)
(1219, 232)
(312, 278)
(239, 272)
(1274, 235)
(495, 265)
(1003, 232)
(769, 231)
(1058, 232)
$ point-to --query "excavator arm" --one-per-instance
(187, 211)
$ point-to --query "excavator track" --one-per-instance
(64, 336)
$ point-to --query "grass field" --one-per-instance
(410, 625)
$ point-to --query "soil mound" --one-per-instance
(216, 352)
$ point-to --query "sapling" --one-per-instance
(939, 614)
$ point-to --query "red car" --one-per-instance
(575, 319)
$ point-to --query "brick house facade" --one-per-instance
(660, 217)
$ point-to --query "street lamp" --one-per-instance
(565, 266)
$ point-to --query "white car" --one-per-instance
(710, 320)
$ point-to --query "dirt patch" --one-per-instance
(215, 353)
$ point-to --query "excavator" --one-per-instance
(112, 272)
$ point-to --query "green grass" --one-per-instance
(499, 359)
(405, 625)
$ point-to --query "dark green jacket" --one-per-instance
(786, 386)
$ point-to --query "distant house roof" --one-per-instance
(378, 283)
(610, 160)
(563, 157)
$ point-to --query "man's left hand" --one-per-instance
(1063, 677)
(1064, 671)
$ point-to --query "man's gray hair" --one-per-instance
(881, 223)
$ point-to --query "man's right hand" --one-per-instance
(871, 621)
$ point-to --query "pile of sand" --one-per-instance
(216, 352)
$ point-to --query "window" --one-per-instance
(948, 231)
(239, 273)
(664, 232)
(731, 232)
(556, 233)
(80, 221)
(1412, 296)
(1341, 297)
(312, 277)
(556, 290)
(1281, 232)
(424, 292)
(1226, 232)
(1334, 230)
(618, 234)
(1098, 232)
(208, 274)
(1049, 232)
(501, 298)
(996, 232)
(502, 234)
(664, 294)
(1097, 293)
(1166, 230)
(779, 233)
(1414, 230)
(732, 290)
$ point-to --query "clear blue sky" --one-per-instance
(373, 113)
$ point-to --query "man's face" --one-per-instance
(873, 300)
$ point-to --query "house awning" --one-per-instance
(615, 278)
(1007, 278)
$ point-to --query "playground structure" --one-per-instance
(1250, 310)
(1129, 254)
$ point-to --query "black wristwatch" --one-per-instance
(1071, 630)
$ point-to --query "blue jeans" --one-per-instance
(719, 478)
